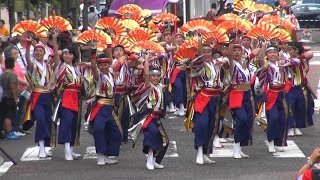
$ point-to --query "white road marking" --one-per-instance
(172, 150)
(292, 150)
(31, 154)
(225, 151)
(5, 167)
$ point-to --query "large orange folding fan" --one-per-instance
(267, 31)
(56, 22)
(263, 7)
(199, 25)
(228, 16)
(94, 37)
(244, 5)
(121, 40)
(185, 53)
(190, 43)
(140, 35)
(219, 37)
(242, 25)
(130, 24)
(165, 17)
(147, 45)
(277, 21)
(29, 26)
(111, 24)
(129, 9)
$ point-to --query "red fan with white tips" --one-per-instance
(165, 17)
(31, 27)
(139, 35)
(199, 25)
(56, 22)
(94, 37)
(184, 54)
(111, 25)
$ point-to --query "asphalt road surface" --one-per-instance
(179, 161)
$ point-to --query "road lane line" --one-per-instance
(292, 150)
(5, 167)
(31, 154)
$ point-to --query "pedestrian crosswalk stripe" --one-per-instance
(292, 150)
(171, 152)
(5, 167)
(31, 154)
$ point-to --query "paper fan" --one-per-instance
(165, 17)
(129, 9)
(245, 5)
(267, 31)
(146, 13)
(121, 40)
(190, 43)
(56, 22)
(29, 26)
(215, 37)
(198, 25)
(94, 36)
(153, 27)
(184, 53)
(111, 25)
(147, 45)
(228, 16)
(263, 7)
(284, 35)
(277, 21)
(139, 35)
(136, 17)
(130, 24)
(242, 25)
(101, 47)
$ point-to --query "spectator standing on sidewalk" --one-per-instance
(10, 98)
(93, 17)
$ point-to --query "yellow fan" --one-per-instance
(284, 35)
(185, 53)
(245, 5)
(31, 27)
(112, 25)
(140, 35)
(228, 16)
(101, 47)
(199, 25)
(94, 36)
(130, 24)
(136, 17)
(56, 22)
(165, 17)
(146, 13)
(263, 7)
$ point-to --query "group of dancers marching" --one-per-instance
(155, 84)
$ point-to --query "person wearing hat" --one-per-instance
(107, 131)
(240, 98)
(41, 97)
(179, 38)
(272, 78)
(67, 81)
(299, 97)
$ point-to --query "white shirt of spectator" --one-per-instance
(23, 58)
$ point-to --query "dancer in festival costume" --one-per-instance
(41, 99)
(107, 130)
(240, 98)
(121, 68)
(178, 80)
(299, 93)
(150, 99)
(272, 78)
(68, 86)
(206, 104)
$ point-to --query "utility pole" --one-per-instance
(85, 14)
